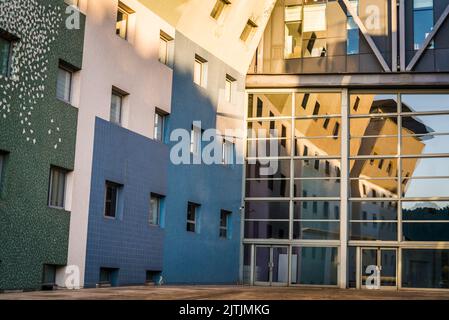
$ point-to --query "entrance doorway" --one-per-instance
(385, 260)
(271, 266)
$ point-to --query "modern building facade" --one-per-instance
(326, 163)
(37, 138)
(121, 161)
(358, 94)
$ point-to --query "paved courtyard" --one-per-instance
(224, 293)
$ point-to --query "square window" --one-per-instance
(57, 187)
(111, 199)
(225, 216)
(192, 217)
(219, 8)
(200, 71)
(248, 30)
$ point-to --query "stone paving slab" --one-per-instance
(224, 293)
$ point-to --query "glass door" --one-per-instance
(378, 268)
(271, 266)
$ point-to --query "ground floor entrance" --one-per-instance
(378, 268)
(271, 265)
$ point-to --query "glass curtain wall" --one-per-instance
(398, 160)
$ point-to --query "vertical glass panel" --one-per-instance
(246, 264)
(262, 270)
(270, 106)
(373, 231)
(353, 35)
(63, 85)
(372, 103)
(314, 266)
(352, 267)
(266, 229)
(422, 21)
(426, 167)
(5, 51)
(388, 264)
(267, 210)
(424, 102)
(369, 259)
(293, 32)
(315, 29)
(422, 268)
(279, 265)
(116, 109)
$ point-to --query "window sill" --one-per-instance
(109, 218)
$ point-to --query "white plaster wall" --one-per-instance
(132, 66)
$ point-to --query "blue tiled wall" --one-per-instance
(127, 242)
(200, 257)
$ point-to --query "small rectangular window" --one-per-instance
(159, 124)
(116, 107)
(123, 13)
(230, 88)
(165, 48)
(336, 130)
(316, 109)
(108, 276)
(353, 34)
(111, 199)
(155, 209)
(195, 140)
(248, 30)
(219, 8)
(224, 222)
(2, 164)
(6, 48)
(48, 276)
(228, 152)
(192, 217)
(259, 108)
(57, 186)
(200, 71)
(64, 84)
(305, 101)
